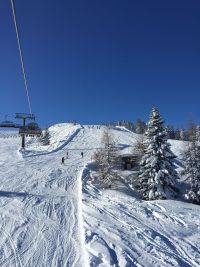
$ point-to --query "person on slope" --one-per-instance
(63, 160)
(82, 154)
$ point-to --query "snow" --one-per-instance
(135, 233)
(61, 134)
(53, 215)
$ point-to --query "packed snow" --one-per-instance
(53, 214)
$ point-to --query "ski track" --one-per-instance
(150, 241)
(40, 213)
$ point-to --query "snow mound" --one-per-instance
(61, 134)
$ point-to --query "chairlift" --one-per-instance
(8, 124)
(31, 129)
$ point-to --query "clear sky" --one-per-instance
(102, 60)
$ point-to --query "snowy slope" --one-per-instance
(9, 134)
(44, 212)
(60, 135)
(40, 208)
(124, 231)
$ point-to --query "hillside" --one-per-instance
(52, 215)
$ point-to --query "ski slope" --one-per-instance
(40, 207)
(52, 215)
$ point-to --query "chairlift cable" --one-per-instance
(20, 54)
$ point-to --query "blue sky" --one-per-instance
(99, 61)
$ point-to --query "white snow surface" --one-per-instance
(52, 214)
(61, 134)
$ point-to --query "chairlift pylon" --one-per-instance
(30, 129)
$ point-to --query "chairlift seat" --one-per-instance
(8, 124)
(30, 132)
(32, 126)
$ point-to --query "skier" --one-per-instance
(82, 154)
(67, 154)
(63, 160)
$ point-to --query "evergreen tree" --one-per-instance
(107, 159)
(119, 123)
(191, 129)
(170, 131)
(140, 127)
(183, 135)
(192, 168)
(139, 146)
(130, 126)
(177, 134)
(157, 176)
(45, 138)
(198, 133)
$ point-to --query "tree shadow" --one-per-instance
(178, 163)
(122, 186)
(13, 194)
(123, 146)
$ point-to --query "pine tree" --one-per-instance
(191, 129)
(192, 167)
(157, 176)
(177, 134)
(139, 146)
(45, 138)
(140, 127)
(198, 133)
(183, 136)
(170, 131)
(107, 159)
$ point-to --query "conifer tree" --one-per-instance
(183, 135)
(192, 167)
(45, 138)
(139, 146)
(198, 133)
(107, 159)
(157, 176)
(140, 127)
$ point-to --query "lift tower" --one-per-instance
(30, 129)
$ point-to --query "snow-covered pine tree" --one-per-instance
(170, 131)
(45, 138)
(191, 129)
(177, 134)
(192, 167)
(198, 133)
(139, 146)
(182, 135)
(157, 177)
(107, 159)
(140, 127)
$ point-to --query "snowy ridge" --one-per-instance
(46, 217)
(61, 134)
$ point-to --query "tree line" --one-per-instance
(174, 133)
